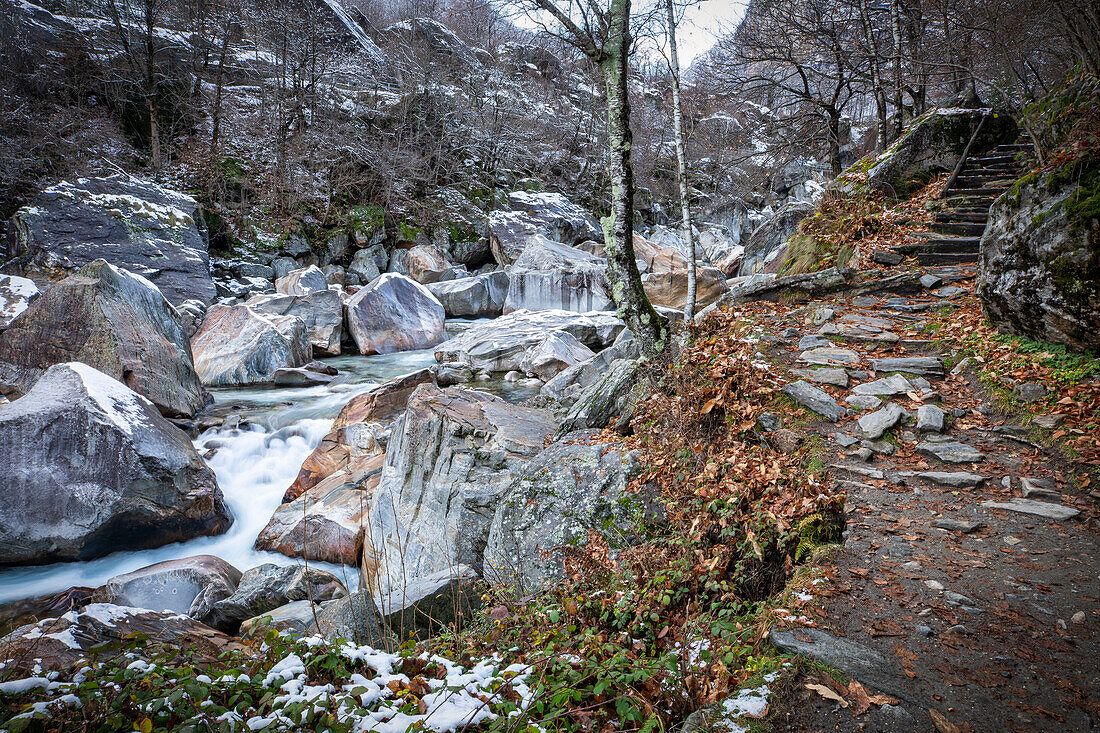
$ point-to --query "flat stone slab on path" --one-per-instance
(925, 366)
(828, 375)
(1044, 509)
(815, 399)
(892, 385)
(878, 422)
(829, 356)
(950, 451)
(953, 479)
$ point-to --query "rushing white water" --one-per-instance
(254, 465)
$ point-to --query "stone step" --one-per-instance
(967, 181)
(946, 258)
(941, 243)
(995, 160)
(963, 228)
(980, 216)
(974, 203)
(989, 193)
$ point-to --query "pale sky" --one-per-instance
(704, 23)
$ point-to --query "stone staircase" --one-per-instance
(957, 232)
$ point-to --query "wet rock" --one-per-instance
(480, 296)
(16, 293)
(950, 451)
(835, 377)
(239, 346)
(1047, 510)
(426, 606)
(132, 223)
(321, 312)
(569, 489)
(829, 356)
(191, 585)
(91, 467)
(302, 282)
(553, 276)
(875, 424)
(269, 587)
(29, 610)
(394, 314)
(925, 366)
(500, 345)
(815, 399)
(115, 322)
(929, 419)
(102, 629)
(299, 377)
(451, 457)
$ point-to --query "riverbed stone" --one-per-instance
(554, 276)
(553, 355)
(190, 585)
(815, 399)
(394, 313)
(237, 345)
(480, 296)
(384, 402)
(91, 467)
(321, 311)
(269, 587)
(303, 281)
(114, 321)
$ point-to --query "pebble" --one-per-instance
(1012, 541)
(1078, 618)
(923, 630)
(958, 525)
(1029, 391)
(960, 629)
(934, 585)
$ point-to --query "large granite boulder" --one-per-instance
(268, 587)
(422, 262)
(322, 312)
(106, 631)
(765, 249)
(114, 321)
(394, 313)
(237, 345)
(130, 222)
(567, 386)
(555, 353)
(480, 296)
(302, 282)
(551, 215)
(190, 585)
(933, 144)
(325, 521)
(609, 398)
(669, 288)
(571, 488)
(16, 294)
(424, 607)
(449, 460)
(1040, 264)
(500, 345)
(355, 618)
(91, 467)
(554, 276)
(384, 403)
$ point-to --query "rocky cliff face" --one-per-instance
(1040, 262)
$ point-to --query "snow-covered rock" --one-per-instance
(91, 467)
(114, 321)
(16, 293)
(550, 214)
(130, 222)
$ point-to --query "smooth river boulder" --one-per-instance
(448, 462)
(268, 587)
(1040, 264)
(394, 314)
(302, 282)
(501, 345)
(553, 276)
(91, 467)
(554, 354)
(549, 214)
(480, 296)
(190, 585)
(128, 221)
(571, 488)
(114, 321)
(237, 345)
(322, 312)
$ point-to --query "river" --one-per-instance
(254, 466)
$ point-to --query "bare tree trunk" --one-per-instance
(834, 141)
(648, 327)
(681, 162)
(876, 76)
(217, 112)
(895, 29)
